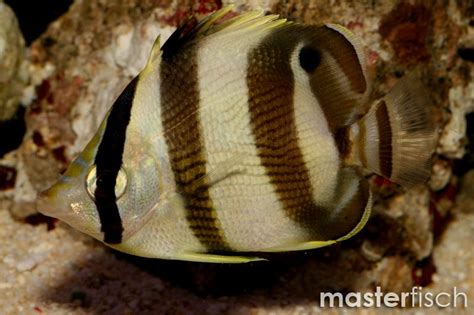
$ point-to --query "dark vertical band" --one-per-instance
(108, 161)
(345, 54)
(385, 139)
(339, 102)
(180, 117)
(271, 86)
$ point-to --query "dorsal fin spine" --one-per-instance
(155, 51)
(209, 26)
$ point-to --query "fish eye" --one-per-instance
(120, 184)
(310, 58)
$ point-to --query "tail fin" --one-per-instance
(397, 137)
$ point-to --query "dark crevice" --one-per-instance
(467, 162)
(12, 132)
(7, 177)
(35, 16)
(466, 54)
(423, 272)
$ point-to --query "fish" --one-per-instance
(242, 136)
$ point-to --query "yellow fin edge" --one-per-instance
(318, 244)
(362, 222)
(213, 258)
(299, 246)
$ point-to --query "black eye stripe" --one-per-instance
(310, 58)
(108, 162)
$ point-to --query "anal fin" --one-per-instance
(299, 246)
(351, 211)
(214, 258)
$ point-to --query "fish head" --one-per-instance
(70, 199)
(107, 203)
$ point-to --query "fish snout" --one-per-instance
(49, 204)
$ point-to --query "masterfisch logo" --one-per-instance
(412, 299)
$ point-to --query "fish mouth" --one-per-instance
(60, 204)
(54, 201)
(48, 204)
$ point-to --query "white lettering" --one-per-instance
(437, 298)
(368, 299)
(331, 297)
(355, 302)
(378, 295)
(390, 299)
(403, 300)
(429, 298)
(414, 298)
(456, 294)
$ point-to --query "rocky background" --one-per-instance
(56, 86)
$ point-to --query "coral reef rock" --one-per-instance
(13, 75)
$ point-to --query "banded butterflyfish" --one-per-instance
(245, 135)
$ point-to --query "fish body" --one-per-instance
(249, 135)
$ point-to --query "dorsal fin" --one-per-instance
(192, 29)
(155, 51)
(179, 37)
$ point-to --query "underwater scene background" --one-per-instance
(62, 64)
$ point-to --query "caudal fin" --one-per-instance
(397, 137)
